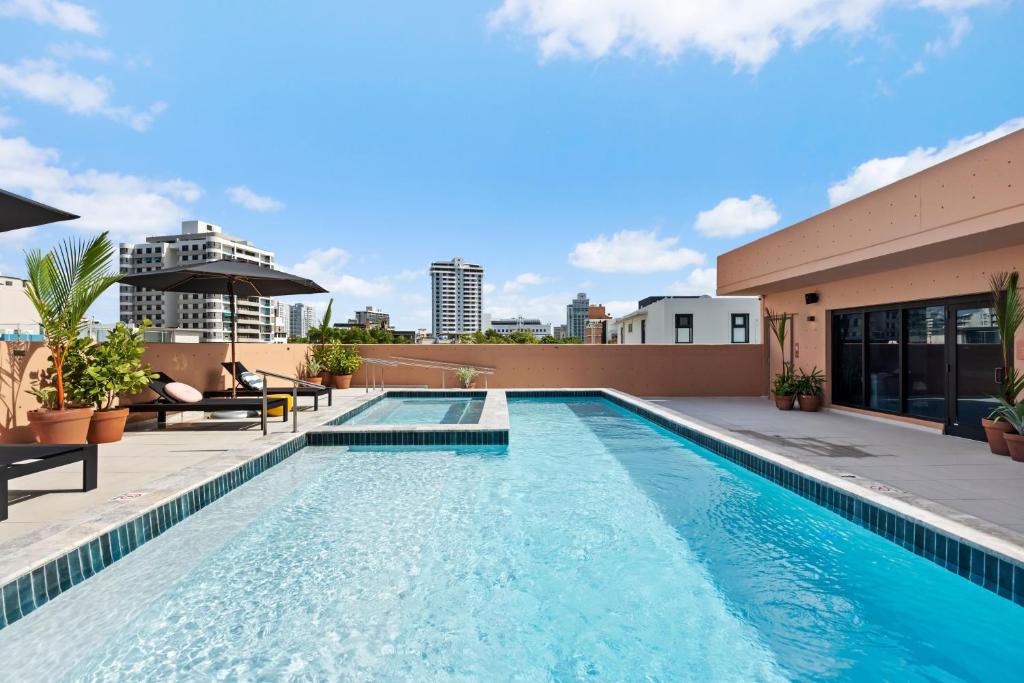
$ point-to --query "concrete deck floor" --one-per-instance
(53, 499)
(949, 475)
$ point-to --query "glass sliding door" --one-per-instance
(883, 360)
(848, 364)
(976, 359)
(924, 332)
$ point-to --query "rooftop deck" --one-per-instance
(953, 477)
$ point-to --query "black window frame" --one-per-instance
(689, 326)
(745, 317)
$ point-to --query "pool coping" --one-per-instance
(85, 549)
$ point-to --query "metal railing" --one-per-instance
(296, 383)
(370, 376)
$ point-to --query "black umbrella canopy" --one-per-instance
(20, 212)
(225, 277)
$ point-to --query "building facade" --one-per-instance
(371, 317)
(576, 316)
(691, 320)
(520, 324)
(889, 293)
(457, 298)
(18, 318)
(301, 318)
(598, 320)
(282, 322)
(198, 242)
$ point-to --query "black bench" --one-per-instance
(166, 404)
(246, 389)
(21, 460)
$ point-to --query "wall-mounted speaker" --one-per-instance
(811, 298)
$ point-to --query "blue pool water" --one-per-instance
(419, 410)
(597, 547)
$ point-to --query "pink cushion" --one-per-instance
(183, 393)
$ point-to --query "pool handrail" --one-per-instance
(396, 361)
(296, 382)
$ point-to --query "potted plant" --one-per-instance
(1013, 415)
(809, 389)
(62, 285)
(342, 363)
(101, 373)
(466, 377)
(312, 369)
(784, 388)
(1009, 309)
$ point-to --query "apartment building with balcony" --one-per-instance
(457, 298)
(210, 314)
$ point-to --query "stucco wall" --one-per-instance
(650, 370)
(948, 277)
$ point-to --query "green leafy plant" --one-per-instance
(810, 383)
(342, 360)
(100, 373)
(466, 376)
(62, 285)
(785, 382)
(1009, 309)
(1012, 413)
(312, 366)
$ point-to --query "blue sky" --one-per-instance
(615, 147)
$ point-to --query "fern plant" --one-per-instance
(62, 285)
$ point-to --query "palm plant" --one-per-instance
(778, 323)
(62, 285)
(1009, 309)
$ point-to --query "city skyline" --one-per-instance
(507, 132)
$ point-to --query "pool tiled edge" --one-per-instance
(986, 561)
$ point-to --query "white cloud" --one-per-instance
(240, 194)
(324, 266)
(519, 282)
(44, 80)
(67, 16)
(617, 309)
(129, 206)
(633, 251)
(487, 288)
(745, 32)
(733, 217)
(698, 281)
(6, 121)
(876, 173)
(916, 69)
(959, 27)
(71, 51)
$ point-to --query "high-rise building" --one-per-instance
(457, 298)
(282, 322)
(302, 317)
(371, 317)
(198, 242)
(576, 314)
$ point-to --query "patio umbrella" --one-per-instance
(20, 212)
(234, 278)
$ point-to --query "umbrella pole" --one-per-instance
(234, 333)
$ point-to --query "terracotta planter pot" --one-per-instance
(784, 402)
(60, 426)
(341, 381)
(314, 380)
(996, 432)
(809, 403)
(471, 385)
(107, 426)
(1016, 444)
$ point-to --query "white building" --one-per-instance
(282, 322)
(457, 297)
(199, 241)
(576, 315)
(302, 318)
(691, 320)
(18, 317)
(520, 324)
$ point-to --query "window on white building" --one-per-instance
(684, 328)
(740, 328)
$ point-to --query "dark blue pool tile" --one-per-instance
(1018, 584)
(12, 603)
(991, 573)
(52, 579)
(75, 567)
(105, 550)
(1005, 579)
(39, 587)
(64, 573)
(96, 555)
(26, 596)
(963, 560)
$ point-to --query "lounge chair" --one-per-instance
(21, 460)
(245, 388)
(167, 404)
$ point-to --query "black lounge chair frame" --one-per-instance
(165, 404)
(21, 460)
(245, 389)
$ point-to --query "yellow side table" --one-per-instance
(276, 412)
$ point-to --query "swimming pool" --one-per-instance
(595, 546)
(412, 410)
